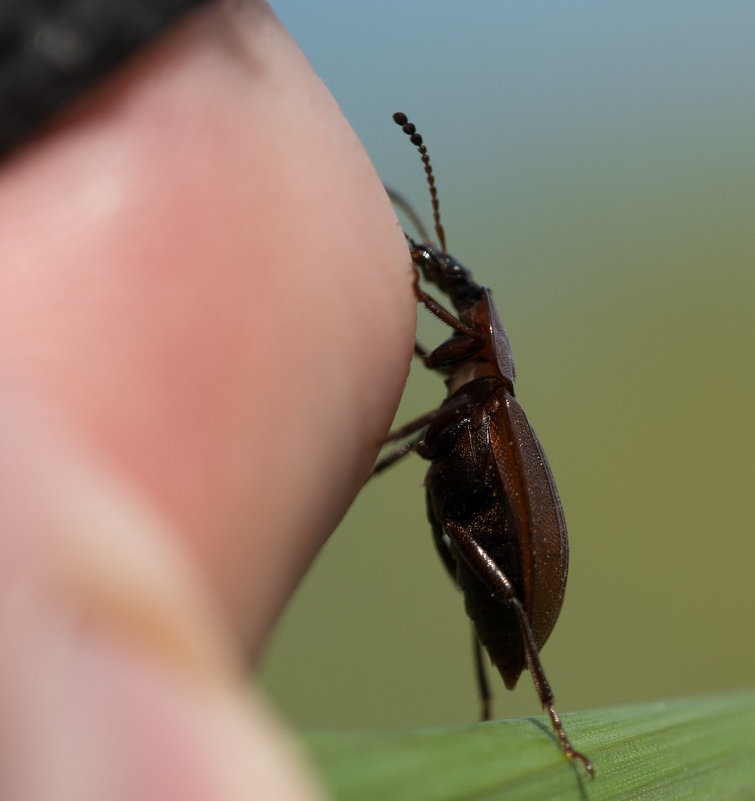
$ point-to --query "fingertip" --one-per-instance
(203, 274)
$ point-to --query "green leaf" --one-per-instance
(697, 748)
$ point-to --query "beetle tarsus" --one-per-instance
(563, 739)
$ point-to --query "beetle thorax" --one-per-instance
(466, 372)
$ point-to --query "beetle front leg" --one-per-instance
(501, 587)
(434, 306)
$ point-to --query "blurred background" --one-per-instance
(596, 168)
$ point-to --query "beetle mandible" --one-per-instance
(495, 513)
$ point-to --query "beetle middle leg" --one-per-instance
(501, 587)
(391, 458)
(447, 412)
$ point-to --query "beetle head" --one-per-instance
(449, 275)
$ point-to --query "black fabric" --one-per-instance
(52, 50)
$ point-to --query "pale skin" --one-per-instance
(206, 321)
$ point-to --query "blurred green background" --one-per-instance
(596, 168)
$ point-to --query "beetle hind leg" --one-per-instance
(501, 587)
(483, 685)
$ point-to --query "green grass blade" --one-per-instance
(697, 748)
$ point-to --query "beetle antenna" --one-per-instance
(411, 131)
(403, 204)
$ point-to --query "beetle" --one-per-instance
(493, 507)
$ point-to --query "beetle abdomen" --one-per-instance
(496, 625)
(475, 488)
(465, 494)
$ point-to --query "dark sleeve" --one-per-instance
(53, 50)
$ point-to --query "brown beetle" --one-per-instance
(495, 513)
